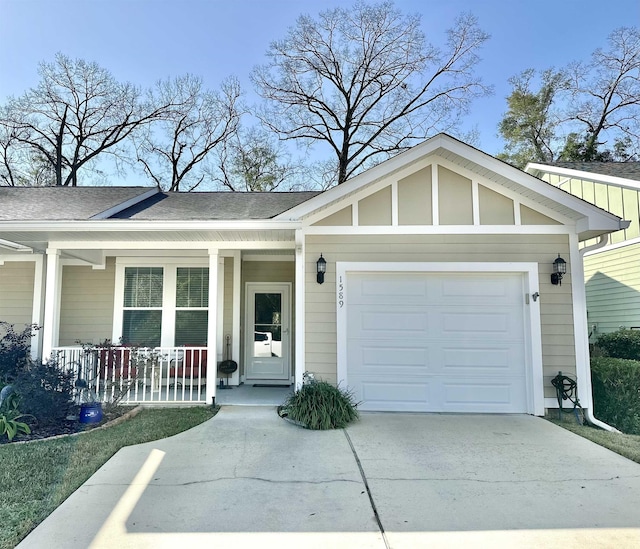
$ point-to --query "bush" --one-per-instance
(616, 392)
(15, 350)
(620, 344)
(319, 405)
(45, 392)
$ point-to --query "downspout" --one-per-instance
(604, 240)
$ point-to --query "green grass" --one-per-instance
(37, 477)
(625, 445)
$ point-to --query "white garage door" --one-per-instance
(437, 342)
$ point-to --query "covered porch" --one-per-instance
(149, 321)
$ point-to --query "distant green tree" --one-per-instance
(589, 111)
(530, 125)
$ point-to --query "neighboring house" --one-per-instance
(437, 293)
(612, 266)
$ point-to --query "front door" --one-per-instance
(268, 333)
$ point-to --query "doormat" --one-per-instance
(269, 385)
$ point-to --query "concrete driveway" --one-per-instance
(246, 478)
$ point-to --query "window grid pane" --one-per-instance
(143, 287)
(192, 287)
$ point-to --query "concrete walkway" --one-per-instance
(246, 478)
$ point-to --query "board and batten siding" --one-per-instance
(623, 202)
(16, 303)
(556, 310)
(612, 280)
(86, 305)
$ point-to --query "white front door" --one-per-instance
(268, 333)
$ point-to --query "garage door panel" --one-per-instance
(506, 360)
(407, 396)
(458, 345)
(480, 395)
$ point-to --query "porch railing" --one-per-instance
(132, 375)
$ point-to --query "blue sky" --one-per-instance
(145, 40)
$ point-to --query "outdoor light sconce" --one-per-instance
(321, 266)
(559, 270)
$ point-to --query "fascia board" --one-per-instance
(126, 204)
(124, 225)
(581, 174)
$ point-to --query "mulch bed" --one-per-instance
(70, 427)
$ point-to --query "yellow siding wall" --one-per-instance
(556, 306)
(532, 217)
(16, 292)
(415, 199)
(86, 308)
(613, 289)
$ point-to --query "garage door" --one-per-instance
(437, 342)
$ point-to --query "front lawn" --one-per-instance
(37, 477)
(625, 445)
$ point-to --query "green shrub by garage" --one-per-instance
(620, 344)
(616, 392)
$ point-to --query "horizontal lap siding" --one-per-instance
(613, 289)
(16, 292)
(556, 304)
(86, 308)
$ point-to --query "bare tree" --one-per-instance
(174, 152)
(606, 93)
(255, 161)
(77, 112)
(365, 81)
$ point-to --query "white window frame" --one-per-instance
(169, 268)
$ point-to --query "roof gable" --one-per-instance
(454, 184)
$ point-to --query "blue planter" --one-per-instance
(90, 412)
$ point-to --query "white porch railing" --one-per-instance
(133, 375)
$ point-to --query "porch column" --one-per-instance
(37, 306)
(235, 333)
(299, 363)
(212, 332)
(52, 286)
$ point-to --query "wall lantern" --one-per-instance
(559, 269)
(321, 266)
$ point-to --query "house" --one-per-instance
(437, 294)
(612, 268)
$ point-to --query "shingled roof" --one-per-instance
(214, 206)
(144, 203)
(625, 170)
(62, 203)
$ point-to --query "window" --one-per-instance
(142, 307)
(192, 302)
(164, 306)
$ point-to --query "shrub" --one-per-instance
(15, 350)
(9, 415)
(621, 344)
(319, 405)
(45, 392)
(616, 392)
